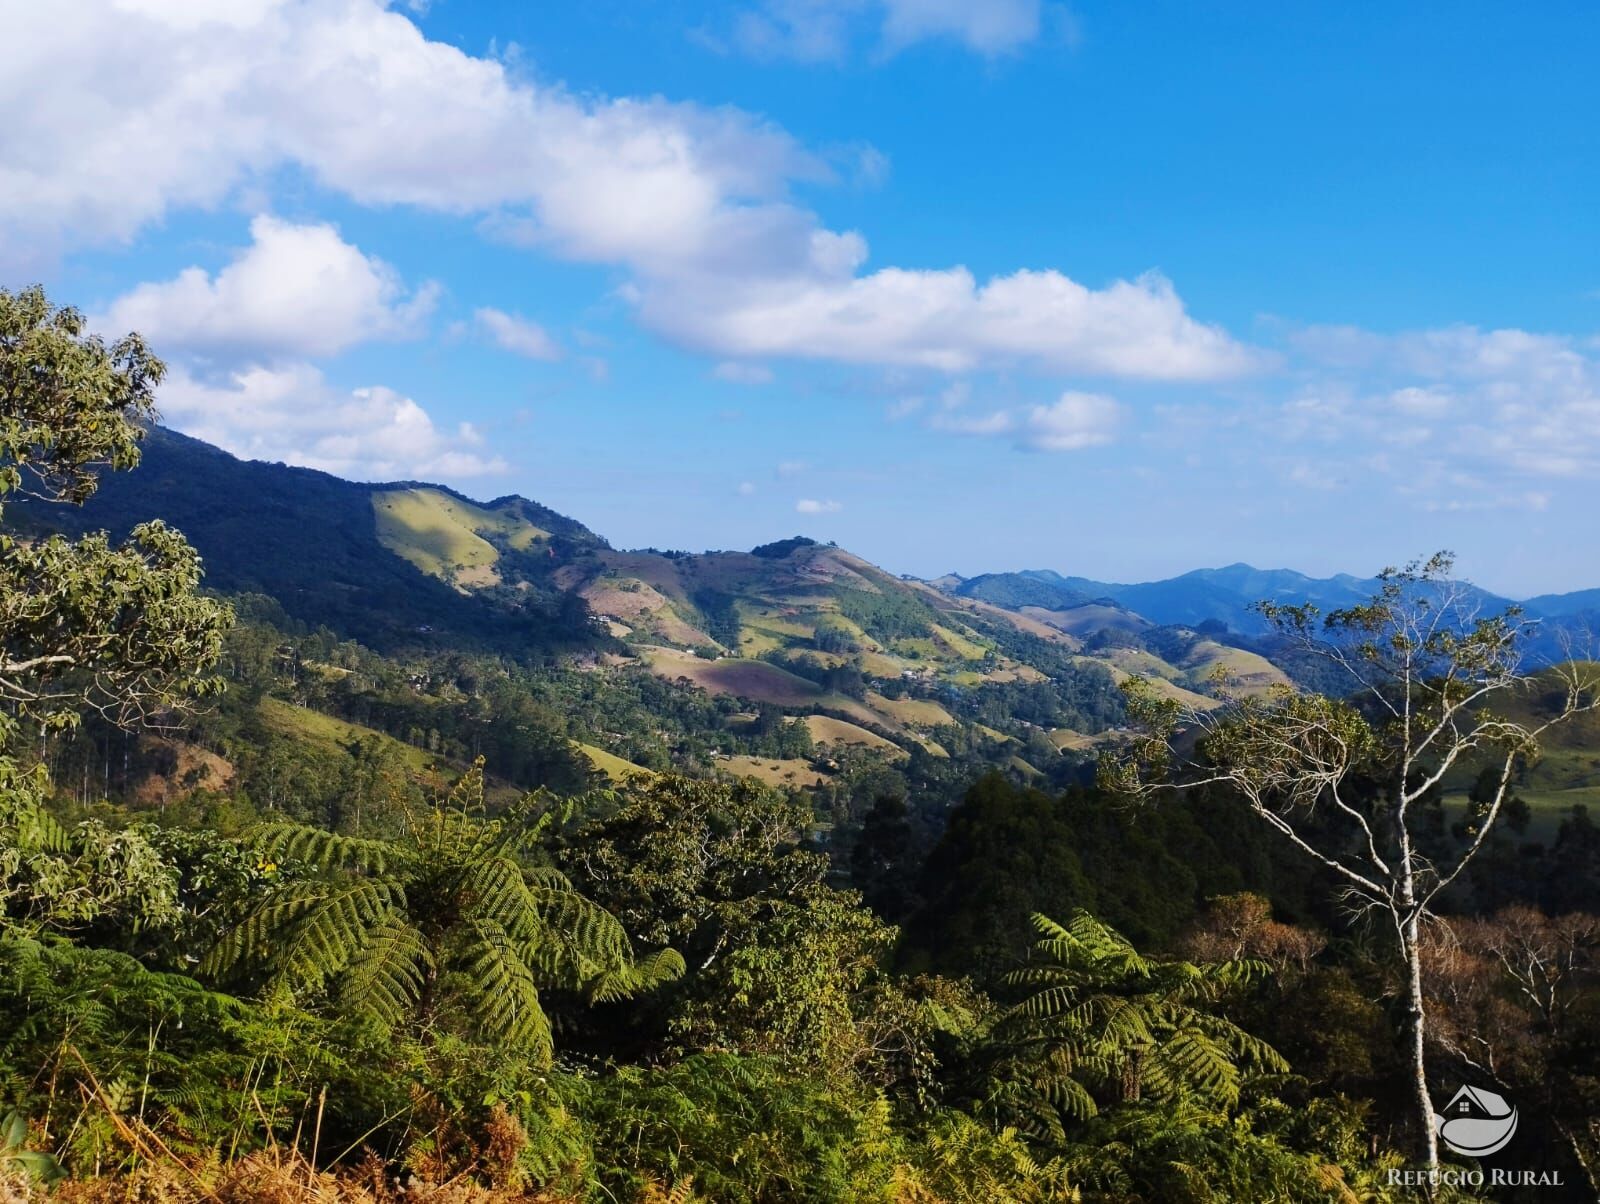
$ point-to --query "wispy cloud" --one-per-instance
(517, 335)
(1501, 402)
(821, 31)
(1072, 422)
(735, 373)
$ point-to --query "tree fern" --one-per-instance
(325, 850)
(383, 929)
(1102, 1021)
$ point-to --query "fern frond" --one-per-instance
(308, 931)
(385, 977)
(323, 849)
(646, 974)
(504, 993)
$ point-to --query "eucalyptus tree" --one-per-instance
(1438, 698)
(88, 624)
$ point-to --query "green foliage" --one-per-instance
(1009, 851)
(782, 547)
(967, 1162)
(68, 402)
(694, 863)
(15, 1154)
(85, 1033)
(720, 615)
(452, 923)
(745, 1130)
(119, 884)
(782, 965)
(1186, 1153)
(796, 987)
(117, 630)
(1100, 1021)
(887, 616)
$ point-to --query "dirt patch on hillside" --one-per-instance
(194, 769)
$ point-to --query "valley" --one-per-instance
(1018, 671)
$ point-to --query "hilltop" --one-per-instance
(1011, 669)
(396, 565)
(866, 661)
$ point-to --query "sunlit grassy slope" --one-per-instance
(613, 766)
(314, 727)
(443, 536)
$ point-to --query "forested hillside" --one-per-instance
(428, 848)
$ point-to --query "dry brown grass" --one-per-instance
(275, 1178)
(16, 1189)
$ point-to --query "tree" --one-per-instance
(450, 920)
(695, 863)
(85, 625)
(781, 963)
(1511, 998)
(1354, 783)
(1101, 1020)
(881, 863)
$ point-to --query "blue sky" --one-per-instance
(962, 284)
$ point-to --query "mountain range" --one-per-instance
(1207, 598)
(862, 656)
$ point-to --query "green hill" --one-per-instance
(448, 537)
(409, 568)
(315, 543)
(1567, 772)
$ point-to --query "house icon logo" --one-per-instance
(1476, 1122)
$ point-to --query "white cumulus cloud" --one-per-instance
(811, 505)
(947, 320)
(1072, 422)
(291, 413)
(158, 106)
(295, 291)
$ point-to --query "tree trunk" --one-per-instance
(1416, 1031)
(1580, 1156)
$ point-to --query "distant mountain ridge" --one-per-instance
(793, 628)
(1228, 595)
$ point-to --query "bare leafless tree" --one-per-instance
(1347, 780)
(1502, 994)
